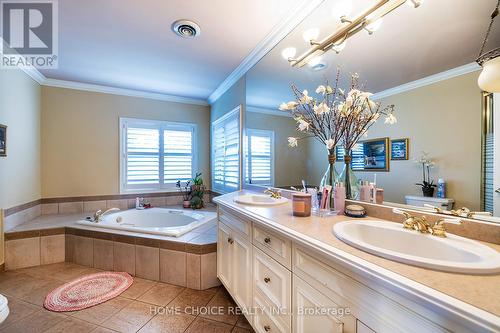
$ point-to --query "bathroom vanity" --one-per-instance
(292, 274)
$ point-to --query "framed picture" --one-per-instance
(399, 149)
(3, 140)
(369, 155)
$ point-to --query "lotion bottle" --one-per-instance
(339, 198)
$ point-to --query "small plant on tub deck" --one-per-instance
(186, 192)
(197, 192)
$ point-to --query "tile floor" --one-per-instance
(130, 312)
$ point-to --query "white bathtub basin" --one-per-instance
(158, 221)
(259, 200)
(391, 241)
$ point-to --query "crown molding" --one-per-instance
(122, 91)
(451, 73)
(272, 112)
(34, 74)
(280, 31)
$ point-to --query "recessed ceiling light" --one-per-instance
(186, 28)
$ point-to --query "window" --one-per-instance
(155, 154)
(259, 157)
(357, 154)
(226, 152)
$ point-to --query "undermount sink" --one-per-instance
(259, 200)
(391, 241)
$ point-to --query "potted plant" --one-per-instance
(197, 192)
(185, 192)
(427, 184)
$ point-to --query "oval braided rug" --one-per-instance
(87, 291)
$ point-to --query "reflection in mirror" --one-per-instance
(440, 152)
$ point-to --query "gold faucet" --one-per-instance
(275, 194)
(99, 214)
(417, 223)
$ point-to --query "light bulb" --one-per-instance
(342, 8)
(314, 61)
(289, 52)
(414, 3)
(339, 47)
(489, 79)
(310, 34)
(374, 26)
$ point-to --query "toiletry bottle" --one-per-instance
(364, 191)
(339, 198)
(441, 188)
(314, 199)
(373, 193)
(137, 203)
(379, 196)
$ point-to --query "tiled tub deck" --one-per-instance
(187, 261)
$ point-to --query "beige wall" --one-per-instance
(290, 163)
(444, 119)
(20, 111)
(80, 138)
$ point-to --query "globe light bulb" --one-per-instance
(489, 79)
(339, 47)
(342, 8)
(310, 34)
(374, 26)
(288, 53)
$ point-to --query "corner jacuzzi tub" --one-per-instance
(158, 221)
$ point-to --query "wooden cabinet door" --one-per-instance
(241, 278)
(224, 257)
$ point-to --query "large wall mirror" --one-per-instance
(427, 72)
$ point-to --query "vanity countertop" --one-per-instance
(479, 291)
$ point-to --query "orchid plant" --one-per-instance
(427, 164)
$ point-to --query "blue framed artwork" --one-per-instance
(368, 155)
(400, 149)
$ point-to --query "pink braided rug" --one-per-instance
(87, 291)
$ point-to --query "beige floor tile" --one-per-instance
(138, 288)
(100, 313)
(17, 311)
(193, 271)
(237, 329)
(100, 329)
(147, 262)
(72, 325)
(191, 300)
(124, 257)
(21, 253)
(28, 286)
(161, 294)
(103, 254)
(10, 281)
(173, 267)
(165, 323)
(208, 273)
(71, 273)
(84, 251)
(131, 318)
(37, 296)
(201, 325)
(221, 303)
(52, 249)
(40, 321)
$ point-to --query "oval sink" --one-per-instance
(391, 241)
(259, 200)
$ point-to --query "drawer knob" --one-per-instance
(230, 240)
(267, 328)
(267, 280)
(267, 240)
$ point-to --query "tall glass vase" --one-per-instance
(349, 179)
(330, 175)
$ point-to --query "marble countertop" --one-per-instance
(479, 291)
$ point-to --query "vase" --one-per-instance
(186, 204)
(330, 175)
(349, 179)
(428, 191)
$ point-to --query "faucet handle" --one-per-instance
(452, 221)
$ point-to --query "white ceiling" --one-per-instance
(411, 44)
(129, 43)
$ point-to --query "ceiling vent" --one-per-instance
(186, 28)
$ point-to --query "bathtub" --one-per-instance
(158, 221)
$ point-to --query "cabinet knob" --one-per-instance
(230, 240)
(267, 328)
(497, 190)
(267, 280)
(267, 240)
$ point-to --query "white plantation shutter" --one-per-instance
(226, 152)
(259, 157)
(155, 154)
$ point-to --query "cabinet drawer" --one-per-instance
(273, 282)
(235, 222)
(265, 319)
(277, 247)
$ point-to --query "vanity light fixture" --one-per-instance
(489, 79)
(369, 20)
